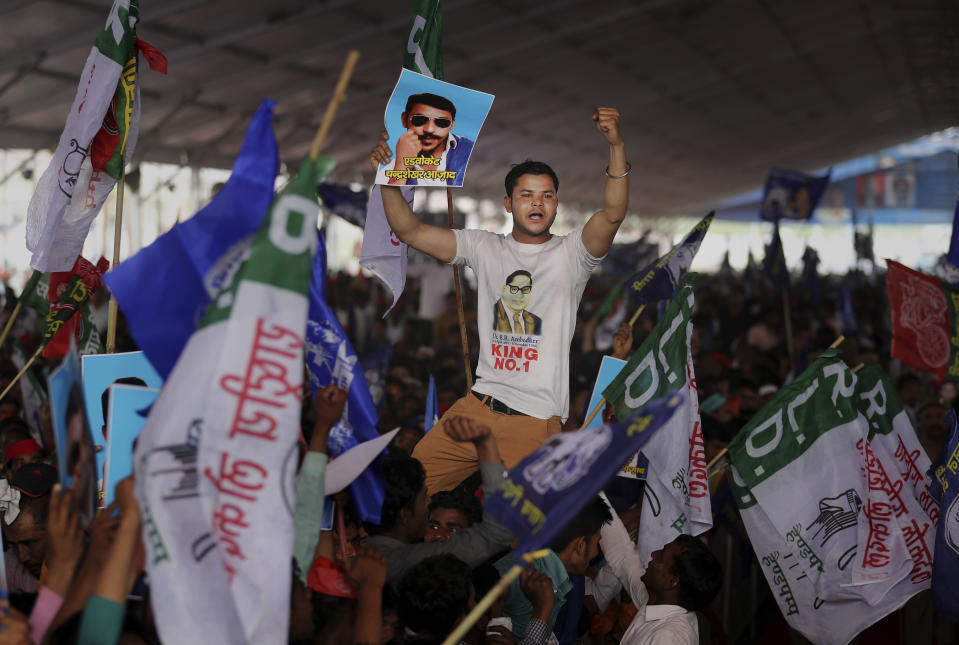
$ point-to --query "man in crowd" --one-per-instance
(522, 390)
(451, 511)
(404, 514)
(681, 578)
(429, 120)
(569, 554)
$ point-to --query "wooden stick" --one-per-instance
(858, 367)
(22, 371)
(467, 623)
(459, 300)
(836, 343)
(13, 319)
(592, 415)
(112, 310)
(632, 321)
(788, 322)
(338, 95)
(716, 458)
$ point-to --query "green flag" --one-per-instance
(35, 294)
(676, 477)
(424, 46)
(232, 407)
(839, 538)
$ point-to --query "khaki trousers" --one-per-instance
(447, 462)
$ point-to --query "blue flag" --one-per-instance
(662, 279)
(791, 194)
(774, 264)
(344, 201)
(331, 359)
(810, 275)
(546, 490)
(847, 311)
(165, 288)
(953, 255)
(432, 407)
(945, 489)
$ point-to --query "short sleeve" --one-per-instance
(582, 259)
(468, 242)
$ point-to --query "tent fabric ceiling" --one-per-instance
(713, 92)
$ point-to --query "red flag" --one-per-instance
(923, 321)
(63, 306)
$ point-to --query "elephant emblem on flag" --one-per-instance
(566, 458)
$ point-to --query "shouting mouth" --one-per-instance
(536, 217)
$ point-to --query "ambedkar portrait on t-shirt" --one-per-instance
(509, 312)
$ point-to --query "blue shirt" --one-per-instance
(517, 606)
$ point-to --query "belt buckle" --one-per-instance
(498, 406)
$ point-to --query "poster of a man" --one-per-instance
(509, 312)
(432, 126)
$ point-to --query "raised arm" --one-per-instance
(436, 241)
(601, 228)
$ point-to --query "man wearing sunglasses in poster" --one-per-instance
(522, 387)
(428, 119)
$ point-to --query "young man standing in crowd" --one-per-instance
(522, 390)
(681, 578)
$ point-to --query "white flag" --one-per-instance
(71, 191)
(676, 500)
(840, 538)
(383, 254)
(216, 462)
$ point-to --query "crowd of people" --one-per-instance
(414, 576)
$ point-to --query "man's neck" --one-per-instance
(525, 238)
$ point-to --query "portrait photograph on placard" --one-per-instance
(432, 129)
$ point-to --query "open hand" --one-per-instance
(65, 537)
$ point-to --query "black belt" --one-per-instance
(496, 405)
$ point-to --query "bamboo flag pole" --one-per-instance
(23, 370)
(11, 320)
(836, 343)
(467, 623)
(632, 321)
(459, 301)
(117, 231)
(338, 95)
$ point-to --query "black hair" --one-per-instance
(37, 507)
(529, 167)
(105, 395)
(699, 572)
(585, 524)
(460, 501)
(432, 100)
(484, 578)
(512, 275)
(405, 479)
(434, 595)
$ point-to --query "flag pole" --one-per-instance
(338, 95)
(836, 343)
(632, 321)
(23, 370)
(467, 623)
(117, 231)
(459, 300)
(787, 320)
(592, 415)
(13, 319)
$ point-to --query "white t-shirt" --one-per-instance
(526, 325)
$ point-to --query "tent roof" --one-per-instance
(713, 94)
